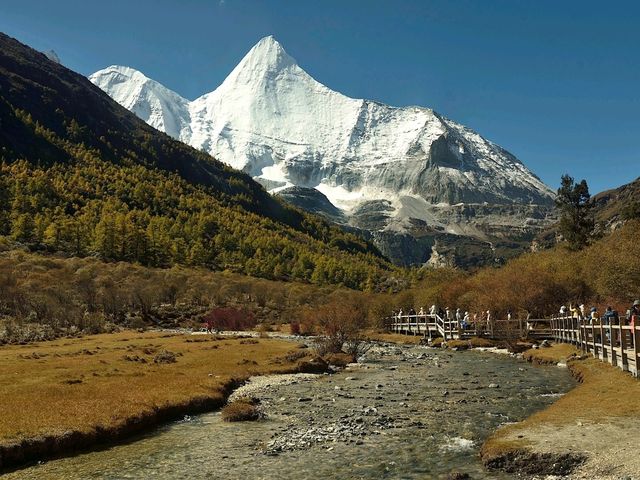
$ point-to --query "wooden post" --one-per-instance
(604, 352)
(635, 336)
(613, 360)
(623, 355)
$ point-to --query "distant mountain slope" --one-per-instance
(83, 175)
(618, 205)
(274, 121)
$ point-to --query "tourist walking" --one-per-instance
(634, 312)
(609, 316)
(633, 317)
(575, 313)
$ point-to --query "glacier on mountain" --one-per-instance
(274, 121)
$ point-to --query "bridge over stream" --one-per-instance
(433, 325)
(613, 342)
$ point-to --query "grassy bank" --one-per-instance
(377, 336)
(63, 395)
(587, 429)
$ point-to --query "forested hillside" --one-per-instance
(604, 273)
(83, 176)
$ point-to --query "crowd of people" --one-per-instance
(608, 317)
(481, 319)
(466, 321)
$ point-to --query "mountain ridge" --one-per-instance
(81, 175)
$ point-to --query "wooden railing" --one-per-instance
(432, 325)
(611, 342)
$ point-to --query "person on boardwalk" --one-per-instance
(465, 321)
(447, 313)
(433, 310)
(633, 314)
(594, 317)
(421, 312)
(609, 316)
(563, 310)
(575, 313)
(633, 317)
(583, 313)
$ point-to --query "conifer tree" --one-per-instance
(576, 221)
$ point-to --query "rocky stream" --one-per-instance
(404, 412)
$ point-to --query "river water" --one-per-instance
(406, 412)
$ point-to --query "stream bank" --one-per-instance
(589, 433)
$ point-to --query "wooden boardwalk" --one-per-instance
(432, 326)
(614, 343)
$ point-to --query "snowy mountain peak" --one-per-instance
(160, 107)
(268, 52)
(274, 121)
(266, 59)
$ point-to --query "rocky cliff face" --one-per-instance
(383, 167)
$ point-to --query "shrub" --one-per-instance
(229, 318)
(339, 359)
(315, 365)
(295, 328)
(242, 410)
(340, 321)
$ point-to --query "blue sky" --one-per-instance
(555, 82)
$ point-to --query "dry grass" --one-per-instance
(92, 383)
(558, 352)
(473, 342)
(394, 338)
(242, 410)
(604, 394)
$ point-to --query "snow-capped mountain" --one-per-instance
(273, 120)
